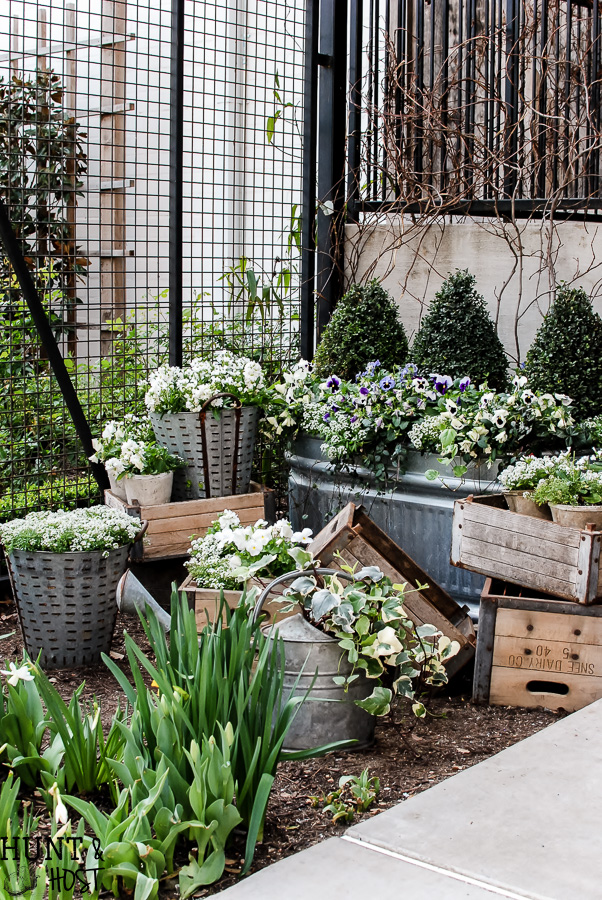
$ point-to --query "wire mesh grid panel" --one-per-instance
(85, 172)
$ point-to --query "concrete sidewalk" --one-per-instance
(524, 823)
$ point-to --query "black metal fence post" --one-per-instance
(176, 156)
(308, 221)
(332, 127)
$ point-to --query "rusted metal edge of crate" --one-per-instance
(172, 526)
(489, 539)
(359, 540)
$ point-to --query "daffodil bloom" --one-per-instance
(17, 673)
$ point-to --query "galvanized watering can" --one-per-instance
(329, 713)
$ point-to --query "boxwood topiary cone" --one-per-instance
(364, 327)
(566, 355)
(458, 336)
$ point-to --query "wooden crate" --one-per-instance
(171, 526)
(553, 559)
(355, 536)
(535, 650)
(205, 601)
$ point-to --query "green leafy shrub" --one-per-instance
(364, 327)
(566, 355)
(458, 337)
(52, 495)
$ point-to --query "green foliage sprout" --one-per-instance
(458, 337)
(364, 327)
(566, 355)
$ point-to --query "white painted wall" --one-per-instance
(412, 264)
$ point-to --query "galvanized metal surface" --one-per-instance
(66, 603)
(132, 596)
(181, 433)
(329, 713)
(415, 513)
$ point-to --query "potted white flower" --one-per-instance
(573, 490)
(520, 479)
(114, 434)
(207, 413)
(147, 471)
(64, 569)
(232, 555)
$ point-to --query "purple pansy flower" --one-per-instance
(326, 417)
(387, 383)
(372, 366)
(464, 383)
(333, 382)
(441, 382)
(364, 391)
(353, 419)
(334, 407)
(409, 369)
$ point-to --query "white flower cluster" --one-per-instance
(172, 389)
(424, 434)
(525, 474)
(131, 457)
(229, 546)
(116, 432)
(95, 528)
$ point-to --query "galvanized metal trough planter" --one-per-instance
(415, 512)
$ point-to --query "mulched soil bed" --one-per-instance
(408, 756)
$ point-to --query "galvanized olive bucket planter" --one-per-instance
(328, 714)
(218, 450)
(66, 603)
(416, 513)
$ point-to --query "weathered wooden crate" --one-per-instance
(553, 559)
(355, 536)
(206, 601)
(536, 650)
(171, 526)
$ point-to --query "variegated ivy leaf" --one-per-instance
(392, 609)
(419, 710)
(322, 603)
(302, 585)
(362, 626)
(303, 558)
(426, 630)
(344, 616)
(371, 572)
(403, 686)
(378, 703)
(447, 648)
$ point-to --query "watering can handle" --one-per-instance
(288, 575)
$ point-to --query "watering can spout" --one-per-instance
(132, 596)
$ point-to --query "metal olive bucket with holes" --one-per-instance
(66, 603)
(329, 714)
(217, 447)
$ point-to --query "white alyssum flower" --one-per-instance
(94, 528)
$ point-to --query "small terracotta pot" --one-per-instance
(577, 516)
(524, 506)
(149, 490)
